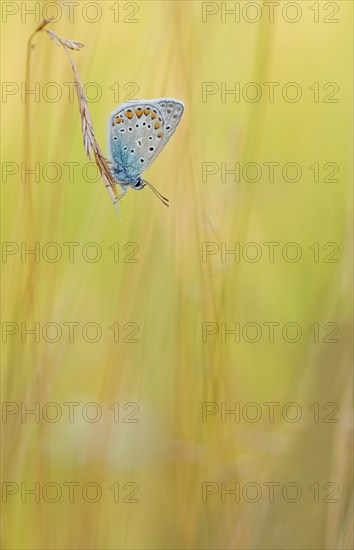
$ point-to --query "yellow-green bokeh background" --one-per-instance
(170, 291)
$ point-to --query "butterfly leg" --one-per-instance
(109, 185)
(124, 190)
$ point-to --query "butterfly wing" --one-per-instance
(171, 111)
(138, 131)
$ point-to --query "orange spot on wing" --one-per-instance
(139, 112)
(146, 112)
(129, 114)
(160, 134)
(157, 125)
(153, 116)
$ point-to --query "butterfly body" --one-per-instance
(138, 131)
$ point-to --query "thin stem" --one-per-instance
(90, 142)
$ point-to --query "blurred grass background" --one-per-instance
(170, 292)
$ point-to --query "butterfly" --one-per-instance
(137, 132)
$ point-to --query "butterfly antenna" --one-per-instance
(163, 199)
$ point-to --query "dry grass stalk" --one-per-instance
(90, 143)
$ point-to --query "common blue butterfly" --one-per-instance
(138, 130)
